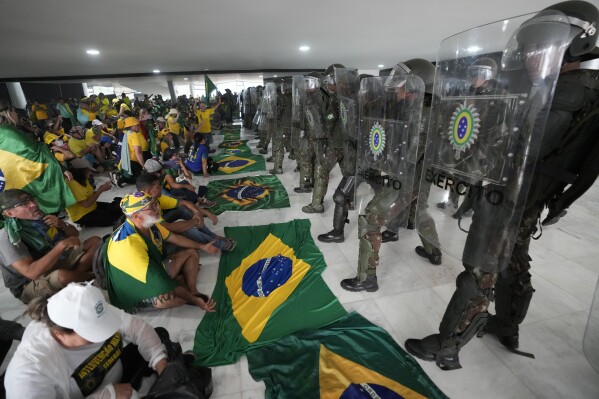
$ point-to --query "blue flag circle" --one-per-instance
(245, 192)
(266, 275)
(357, 391)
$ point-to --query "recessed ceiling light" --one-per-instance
(93, 52)
(304, 48)
(381, 65)
(156, 71)
(197, 82)
(185, 78)
(473, 49)
(206, 69)
(260, 76)
(275, 76)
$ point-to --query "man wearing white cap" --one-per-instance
(174, 127)
(73, 347)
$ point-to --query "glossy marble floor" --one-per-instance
(413, 295)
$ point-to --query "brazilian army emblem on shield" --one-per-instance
(377, 140)
(343, 113)
(463, 128)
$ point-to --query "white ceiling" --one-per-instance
(48, 38)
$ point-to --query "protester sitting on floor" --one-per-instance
(40, 253)
(75, 347)
(192, 217)
(140, 274)
(88, 211)
(99, 136)
(59, 147)
(83, 148)
(157, 168)
(177, 180)
(197, 160)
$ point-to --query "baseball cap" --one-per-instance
(12, 197)
(81, 163)
(152, 166)
(96, 122)
(173, 111)
(82, 308)
(160, 119)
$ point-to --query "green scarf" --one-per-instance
(38, 237)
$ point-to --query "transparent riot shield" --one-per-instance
(253, 100)
(484, 135)
(348, 86)
(591, 335)
(390, 112)
(246, 101)
(270, 93)
(297, 110)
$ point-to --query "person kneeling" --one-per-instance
(140, 275)
(73, 348)
(40, 254)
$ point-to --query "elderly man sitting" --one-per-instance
(140, 274)
(40, 254)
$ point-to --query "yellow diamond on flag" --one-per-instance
(18, 171)
(342, 378)
(262, 282)
(232, 164)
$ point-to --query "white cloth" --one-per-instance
(125, 156)
(39, 368)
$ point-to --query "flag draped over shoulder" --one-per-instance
(209, 86)
(351, 358)
(238, 163)
(247, 194)
(29, 165)
(269, 287)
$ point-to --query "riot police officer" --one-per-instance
(283, 131)
(546, 146)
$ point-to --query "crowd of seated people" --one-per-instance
(151, 260)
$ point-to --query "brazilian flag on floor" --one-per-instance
(232, 144)
(243, 149)
(29, 165)
(231, 136)
(268, 287)
(247, 194)
(351, 358)
(242, 163)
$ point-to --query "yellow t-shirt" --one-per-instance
(41, 112)
(89, 137)
(80, 193)
(136, 139)
(204, 116)
(173, 125)
(111, 112)
(105, 103)
(77, 146)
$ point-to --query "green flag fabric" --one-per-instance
(29, 165)
(351, 358)
(231, 136)
(209, 85)
(231, 164)
(232, 144)
(268, 287)
(242, 149)
(247, 193)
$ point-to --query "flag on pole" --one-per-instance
(209, 85)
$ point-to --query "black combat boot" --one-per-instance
(434, 258)
(270, 159)
(332, 236)
(445, 355)
(355, 285)
(389, 236)
(339, 221)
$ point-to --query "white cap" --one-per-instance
(152, 166)
(96, 122)
(173, 111)
(82, 308)
(160, 119)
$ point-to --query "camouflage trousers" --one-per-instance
(278, 147)
(324, 164)
(305, 161)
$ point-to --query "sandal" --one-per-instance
(230, 246)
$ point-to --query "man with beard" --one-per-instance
(141, 275)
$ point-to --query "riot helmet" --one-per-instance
(535, 44)
(286, 85)
(419, 67)
(482, 70)
(329, 78)
(312, 81)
